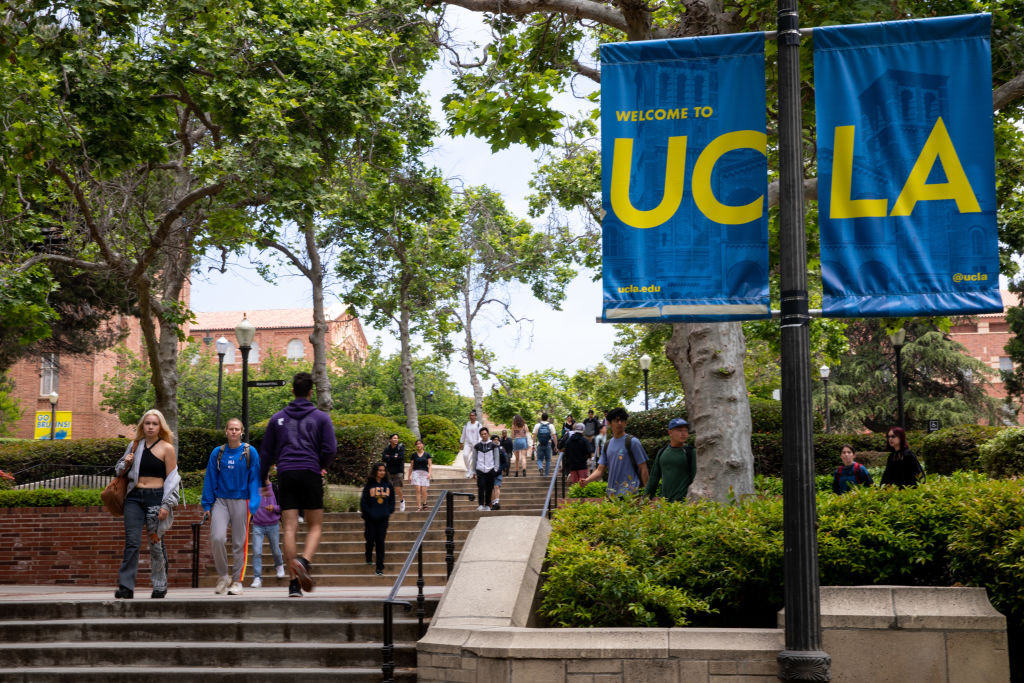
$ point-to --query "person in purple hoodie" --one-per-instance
(300, 441)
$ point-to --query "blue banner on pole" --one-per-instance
(906, 168)
(684, 178)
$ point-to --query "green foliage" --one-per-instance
(359, 446)
(1003, 455)
(955, 448)
(767, 449)
(765, 415)
(345, 501)
(10, 408)
(196, 444)
(653, 424)
(726, 561)
(45, 498)
(20, 455)
(440, 438)
(530, 394)
(595, 489)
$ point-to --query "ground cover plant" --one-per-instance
(634, 563)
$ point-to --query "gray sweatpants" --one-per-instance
(236, 512)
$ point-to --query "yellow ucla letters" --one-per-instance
(701, 183)
(957, 187)
(675, 166)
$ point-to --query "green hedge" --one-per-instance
(1003, 455)
(440, 437)
(955, 448)
(619, 563)
(45, 498)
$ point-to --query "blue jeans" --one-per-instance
(141, 507)
(273, 534)
(544, 457)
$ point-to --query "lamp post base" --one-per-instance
(804, 665)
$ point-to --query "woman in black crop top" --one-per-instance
(420, 471)
(152, 494)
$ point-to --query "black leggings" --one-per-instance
(375, 531)
(485, 485)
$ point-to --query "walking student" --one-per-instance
(623, 458)
(470, 437)
(675, 465)
(577, 451)
(486, 464)
(545, 440)
(394, 458)
(421, 469)
(300, 441)
(376, 505)
(520, 444)
(231, 491)
(266, 523)
(152, 494)
(502, 471)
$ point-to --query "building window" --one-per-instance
(49, 374)
(1005, 364)
(295, 350)
(254, 353)
(229, 355)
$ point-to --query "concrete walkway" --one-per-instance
(101, 593)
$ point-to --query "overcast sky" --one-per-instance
(567, 340)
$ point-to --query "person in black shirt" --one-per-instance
(420, 470)
(902, 468)
(376, 505)
(394, 457)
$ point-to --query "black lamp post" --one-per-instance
(803, 658)
(824, 371)
(897, 339)
(245, 332)
(222, 348)
(645, 365)
(53, 413)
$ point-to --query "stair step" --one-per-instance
(177, 674)
(266, 606)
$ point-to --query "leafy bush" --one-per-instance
(195, 445)
(652, 424)
(955, 448)
(44, 498)
(767, 450)
(358, 448)
(717, 565)
(193, 479)
(440, 437)
(378, 422)
(341, 502)
(1003, 455)
(765, 415)
(595, 489)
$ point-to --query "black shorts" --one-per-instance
(300, 490)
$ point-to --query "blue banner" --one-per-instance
(906, 168)
(684, 178)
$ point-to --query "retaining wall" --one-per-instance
(482, 631)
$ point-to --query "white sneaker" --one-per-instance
(480, 508)
(280, 571)
(401, 506)
(222, 585)
(236, 588)
(256, 583)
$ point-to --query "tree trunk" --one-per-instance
(474, 378)
(412, 419)
(709, 360)
(318, 337)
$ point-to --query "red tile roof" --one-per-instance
(266, 319)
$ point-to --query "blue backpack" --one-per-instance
(544, 433)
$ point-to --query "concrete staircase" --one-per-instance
(340, 559)
(261, 635)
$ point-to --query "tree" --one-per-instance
(403, 256)
(539, 46)
(148, 134)
(940, 380)
(529, 395)
(502, 250)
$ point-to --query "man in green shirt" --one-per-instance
(675, 465)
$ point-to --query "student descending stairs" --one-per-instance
(261, 635)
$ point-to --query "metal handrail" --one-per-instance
(546, 512)
(388, 650)
(195, 548)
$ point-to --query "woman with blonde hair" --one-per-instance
(151, 464)
(520, 444)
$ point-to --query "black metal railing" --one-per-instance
(555, 478)
(61, 476)
(196, 526)
(388, 651)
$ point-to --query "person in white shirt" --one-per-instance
(470, 437)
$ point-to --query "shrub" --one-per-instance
(767, 450)
(440, 437)
(195, 445)
(652, 424)
(1003, 455)
(193, 479)
(725, 562)
(359, 446)
(378, 422)
(341, 502)
(955, 448)
(595, 489)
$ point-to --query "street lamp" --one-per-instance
(897, 339)
(223, 346)
(245, 332)
(53, 413)
(645, 365)
(824, 371)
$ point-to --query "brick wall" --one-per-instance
(83, 546)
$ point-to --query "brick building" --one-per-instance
(985, 337)
(77, 379)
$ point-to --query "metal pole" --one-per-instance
(828, 426)
(195, 553)
(802, 659)
(899, 386)
(421, 612)
(220, 382)
(388, 651)
(245, 392)
(53, 419)
(646, 372)
(449, 534)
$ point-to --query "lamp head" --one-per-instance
(223, 346)
(824, 371)
(898, 337)
(53, 398)
(245, 332)
(645, 362)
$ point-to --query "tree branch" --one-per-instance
(289, 254)
(112, 258)
(60, 258)
(1005, 94)
(167, 221)
(582, 9)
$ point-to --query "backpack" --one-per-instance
(245, 452)
(544, 434)
(858, 472)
